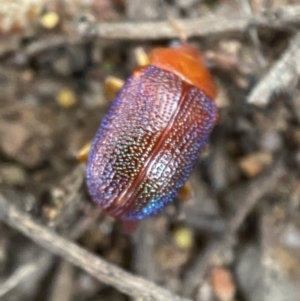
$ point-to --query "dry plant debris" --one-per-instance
(236, 238)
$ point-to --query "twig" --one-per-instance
(62, 287)
(144, 261)
(283, 76)
(43, 44)
(103, 271)
(24, 273)
(247, 198)
(279, 18)
(246, 7)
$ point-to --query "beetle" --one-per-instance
(151, 137)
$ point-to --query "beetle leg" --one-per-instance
(112, 86)
(186, 192)
(83, 153)
(141, 56)
(129, 227)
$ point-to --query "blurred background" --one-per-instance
(238, 237)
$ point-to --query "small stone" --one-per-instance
(222, 283)
(255, 163)
(290, 236)
(271, 141)
(66, 98)
(50, 20)
(222, 99)
(183, 238)
(205, 292)
(27, 76)
(12, 174)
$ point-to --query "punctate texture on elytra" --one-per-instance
(148, 143)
